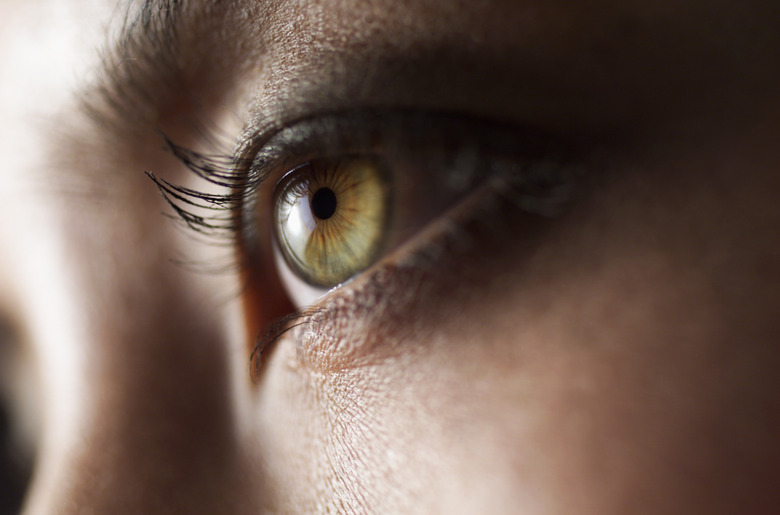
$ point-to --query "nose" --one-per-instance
(134, 360)
(138, 411)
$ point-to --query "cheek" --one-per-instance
(623, 359)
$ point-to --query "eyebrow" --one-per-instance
(160, 64)
(131, 65)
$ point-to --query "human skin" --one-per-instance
(618, 357)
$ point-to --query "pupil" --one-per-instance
(323, 203)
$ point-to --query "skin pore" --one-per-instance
(618, 357)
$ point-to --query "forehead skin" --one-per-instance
(619, 359)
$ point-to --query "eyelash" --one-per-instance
(220, 216)
(224, 171)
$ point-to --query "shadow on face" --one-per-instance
(545, 279)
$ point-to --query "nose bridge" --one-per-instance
(160, 434)
(154, 432)
(152, 429)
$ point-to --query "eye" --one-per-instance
(338, 194)
(325, 199)
(330, 218)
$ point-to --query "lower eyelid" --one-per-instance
(334, 337)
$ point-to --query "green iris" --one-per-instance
(330, 219)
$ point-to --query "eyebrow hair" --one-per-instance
(134, 67)
(164, 62)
